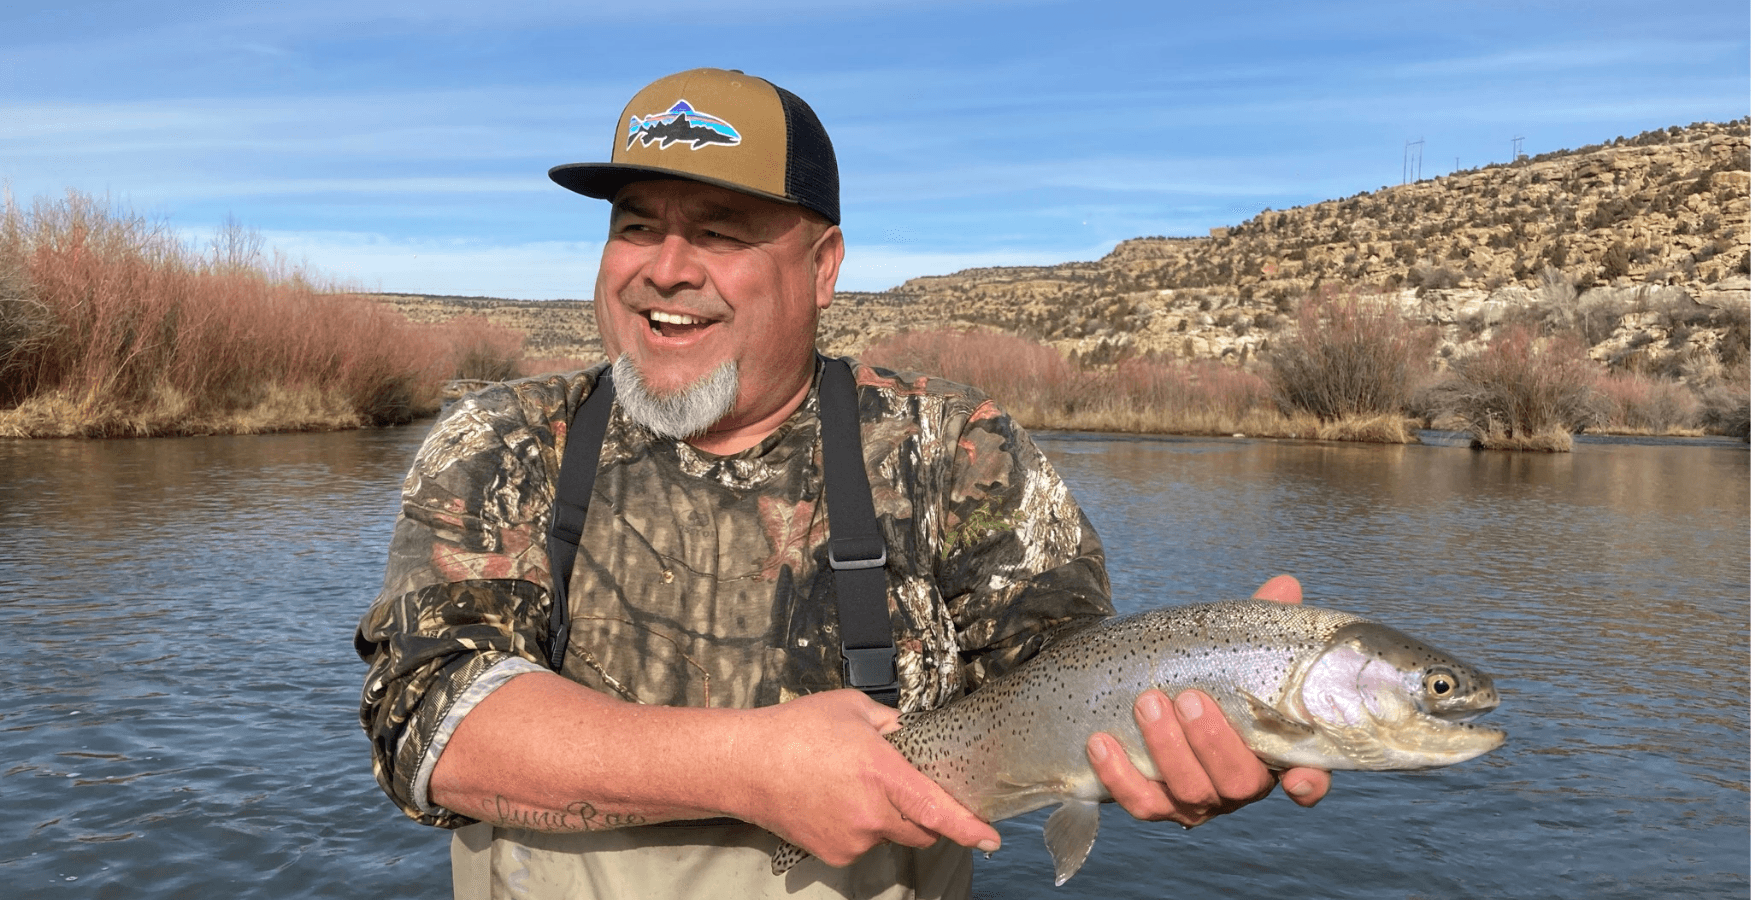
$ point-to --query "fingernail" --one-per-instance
(987, 846)
(1098, 749)
(1300, 789)
(1152, 706)
(1188, 705)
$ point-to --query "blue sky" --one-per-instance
(403, 146)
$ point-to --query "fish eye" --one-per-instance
(1440, 683)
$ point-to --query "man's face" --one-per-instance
(694, 276)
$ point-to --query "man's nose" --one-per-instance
(676, 265)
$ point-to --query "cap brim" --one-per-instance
(603, 180)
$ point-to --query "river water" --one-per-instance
(178, 713)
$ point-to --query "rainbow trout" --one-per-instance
(1303, 686)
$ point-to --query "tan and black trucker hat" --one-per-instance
(721, 127)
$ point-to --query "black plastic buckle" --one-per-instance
(857, 553)
(870, 669)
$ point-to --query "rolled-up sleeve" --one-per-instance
(466, 587)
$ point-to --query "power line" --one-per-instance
(1412, 151)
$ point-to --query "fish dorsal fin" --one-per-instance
(1273, 721)
(1070, 833)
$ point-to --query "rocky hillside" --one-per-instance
(1642, 244)
(553, 329)
(1651, 233)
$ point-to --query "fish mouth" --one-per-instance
(1461, 716)
(1453, 738)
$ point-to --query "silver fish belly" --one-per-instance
(1303, 686)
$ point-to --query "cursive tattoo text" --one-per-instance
(578, 816)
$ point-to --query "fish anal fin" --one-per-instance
(1070, 833)
(1272, 720)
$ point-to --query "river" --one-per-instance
(179, 720)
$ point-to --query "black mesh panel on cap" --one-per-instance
(811, 175)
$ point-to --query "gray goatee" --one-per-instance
(684, 414)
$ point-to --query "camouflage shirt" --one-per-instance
(702, 580)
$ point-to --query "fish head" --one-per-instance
(1389, 701)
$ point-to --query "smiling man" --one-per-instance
(658, 727)
(707, 300)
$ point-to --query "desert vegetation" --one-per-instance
(1349, 368)
(109, 326)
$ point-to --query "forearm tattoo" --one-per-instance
(577, 816)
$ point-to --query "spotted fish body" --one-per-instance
(1302, 686)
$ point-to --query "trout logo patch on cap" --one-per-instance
(682, 123)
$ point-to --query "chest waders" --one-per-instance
(856, 548)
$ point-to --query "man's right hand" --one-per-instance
(822, 776)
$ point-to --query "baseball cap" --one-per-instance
(720, 127)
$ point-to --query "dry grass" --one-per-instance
(1553, 439)
(109, 327)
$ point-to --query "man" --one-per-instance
(699, 715)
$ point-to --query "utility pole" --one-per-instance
(1516, 148)
(1411, 153)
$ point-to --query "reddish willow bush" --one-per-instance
(1042, 388)
(113, 315)
(1016, 372)
(1641, 403)
(1204, 385)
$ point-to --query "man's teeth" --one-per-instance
(674, 318)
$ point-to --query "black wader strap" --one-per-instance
(572, 497)
(856, 549)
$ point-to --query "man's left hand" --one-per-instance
(1206, 769)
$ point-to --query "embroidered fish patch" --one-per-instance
(681, 124)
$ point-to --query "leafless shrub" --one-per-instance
(1724, 407)
(1521, 391)
(1351, 356)
(26, 329)
(1426, 276)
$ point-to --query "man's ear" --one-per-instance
(830, 249)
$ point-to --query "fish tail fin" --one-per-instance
(786, 856)
(1070, 833)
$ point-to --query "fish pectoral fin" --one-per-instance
(1273, 721)
(1070, 833)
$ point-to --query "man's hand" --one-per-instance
(1205, 767)
(836, 788)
